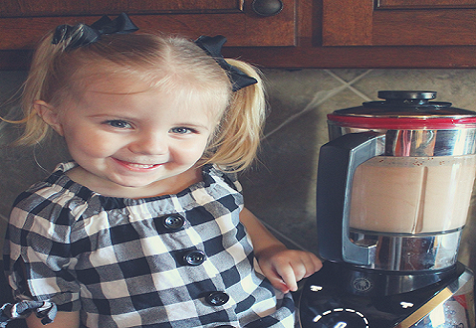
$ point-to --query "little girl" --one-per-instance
(146, 226)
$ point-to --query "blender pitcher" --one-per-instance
(395, 183)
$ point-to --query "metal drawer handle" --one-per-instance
(267, 7)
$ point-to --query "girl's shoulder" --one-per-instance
(57, 193)
(212, 174)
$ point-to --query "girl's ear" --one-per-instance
(49, 114)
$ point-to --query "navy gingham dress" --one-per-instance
(179, 260)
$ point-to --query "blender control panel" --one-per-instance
(326, 302)
(341, 318)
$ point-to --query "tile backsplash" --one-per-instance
(280, 188)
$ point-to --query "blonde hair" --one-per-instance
(58, 74)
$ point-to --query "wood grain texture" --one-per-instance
(306, 34)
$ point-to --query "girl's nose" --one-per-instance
(149, 144)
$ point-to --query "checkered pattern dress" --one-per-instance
(179, 260)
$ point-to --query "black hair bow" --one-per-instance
(122, 24)
(212, 46)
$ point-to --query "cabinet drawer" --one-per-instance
(234, 19)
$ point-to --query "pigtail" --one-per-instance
(240, 131)
(35, 128)
(42, 83)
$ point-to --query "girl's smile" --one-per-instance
(134, 144)
(137, 166)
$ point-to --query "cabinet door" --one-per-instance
(399, 22)
(23, 22)
(45, 8)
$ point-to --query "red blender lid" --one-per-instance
(405, 110)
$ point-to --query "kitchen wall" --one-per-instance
(280, 188)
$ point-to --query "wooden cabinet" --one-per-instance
(377, 34)
(45, 8)
(399, 23)
(24, 22)
(305, 34)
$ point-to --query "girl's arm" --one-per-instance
(282, 266)
(62, 320)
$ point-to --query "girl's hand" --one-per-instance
(284, 267)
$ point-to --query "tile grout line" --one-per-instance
(349, 84)
(312, 104)
(327, 94)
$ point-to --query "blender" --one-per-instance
(393, 194)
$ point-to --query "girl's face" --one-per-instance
(135, 144)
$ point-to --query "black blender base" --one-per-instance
(325, 302)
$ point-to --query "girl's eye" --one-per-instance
(119, 124)
(181, 130)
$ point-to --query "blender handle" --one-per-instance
(338, 160)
